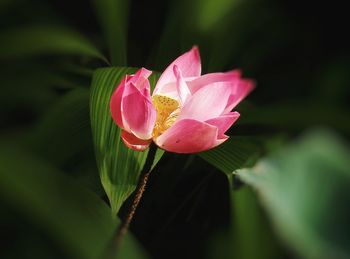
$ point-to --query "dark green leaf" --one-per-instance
(33, 40)
(234, 154)
(297, 115)
(249, 228)
(305, 189)
(75, 218)
(112, 15)
(210, 12)
(119, 166)
(66, 127)
(27, 85)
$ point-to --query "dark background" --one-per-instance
(297, 51)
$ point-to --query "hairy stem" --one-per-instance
(141, 185)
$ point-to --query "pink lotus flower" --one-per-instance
(187, 112)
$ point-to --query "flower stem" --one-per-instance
(141, 185)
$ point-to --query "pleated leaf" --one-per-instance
(235, 153)
(119, 166)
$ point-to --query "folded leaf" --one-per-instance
(119, 166)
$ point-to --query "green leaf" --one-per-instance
(112, 16)
(249, 228)
(209, 13)
(305, 190)
(235, 153)
(118, 165)
(27, 85)
(297, 115)
(76, 219)
(65, 126)
(34, 40)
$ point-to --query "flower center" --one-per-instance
(168, 110)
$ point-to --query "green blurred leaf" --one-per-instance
(34, 40)
(208, 24)
(113, 15)
(248, 228)
(27, 84)
(80, 223)
(305, 189)
(66, 127)
(118, 165)
(210, 12)
(6, 4)
(297, 114)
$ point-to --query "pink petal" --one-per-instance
(207, 103)
(140, 77)
(190, 65)
(231, 76)
(224, 122)
(182, 87)
(169, 90)
(115, 104)
(140, 81)
(189, 136)
(131, 141)
(221, 140)
(142, 86)
(239, 92)
(138, 113)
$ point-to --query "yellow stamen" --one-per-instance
(167, 112)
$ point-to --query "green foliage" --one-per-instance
(304, 188)
(48, 55)
(297, 115)
(76, 219)
(249, 225)
(119, 166)
(34, 40)
(112, 16)
(235, 153)
(65, 126)
(211, 12)
(241, 152)
(27, 85)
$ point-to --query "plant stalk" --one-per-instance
(141, 186)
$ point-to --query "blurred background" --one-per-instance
(294, 130)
